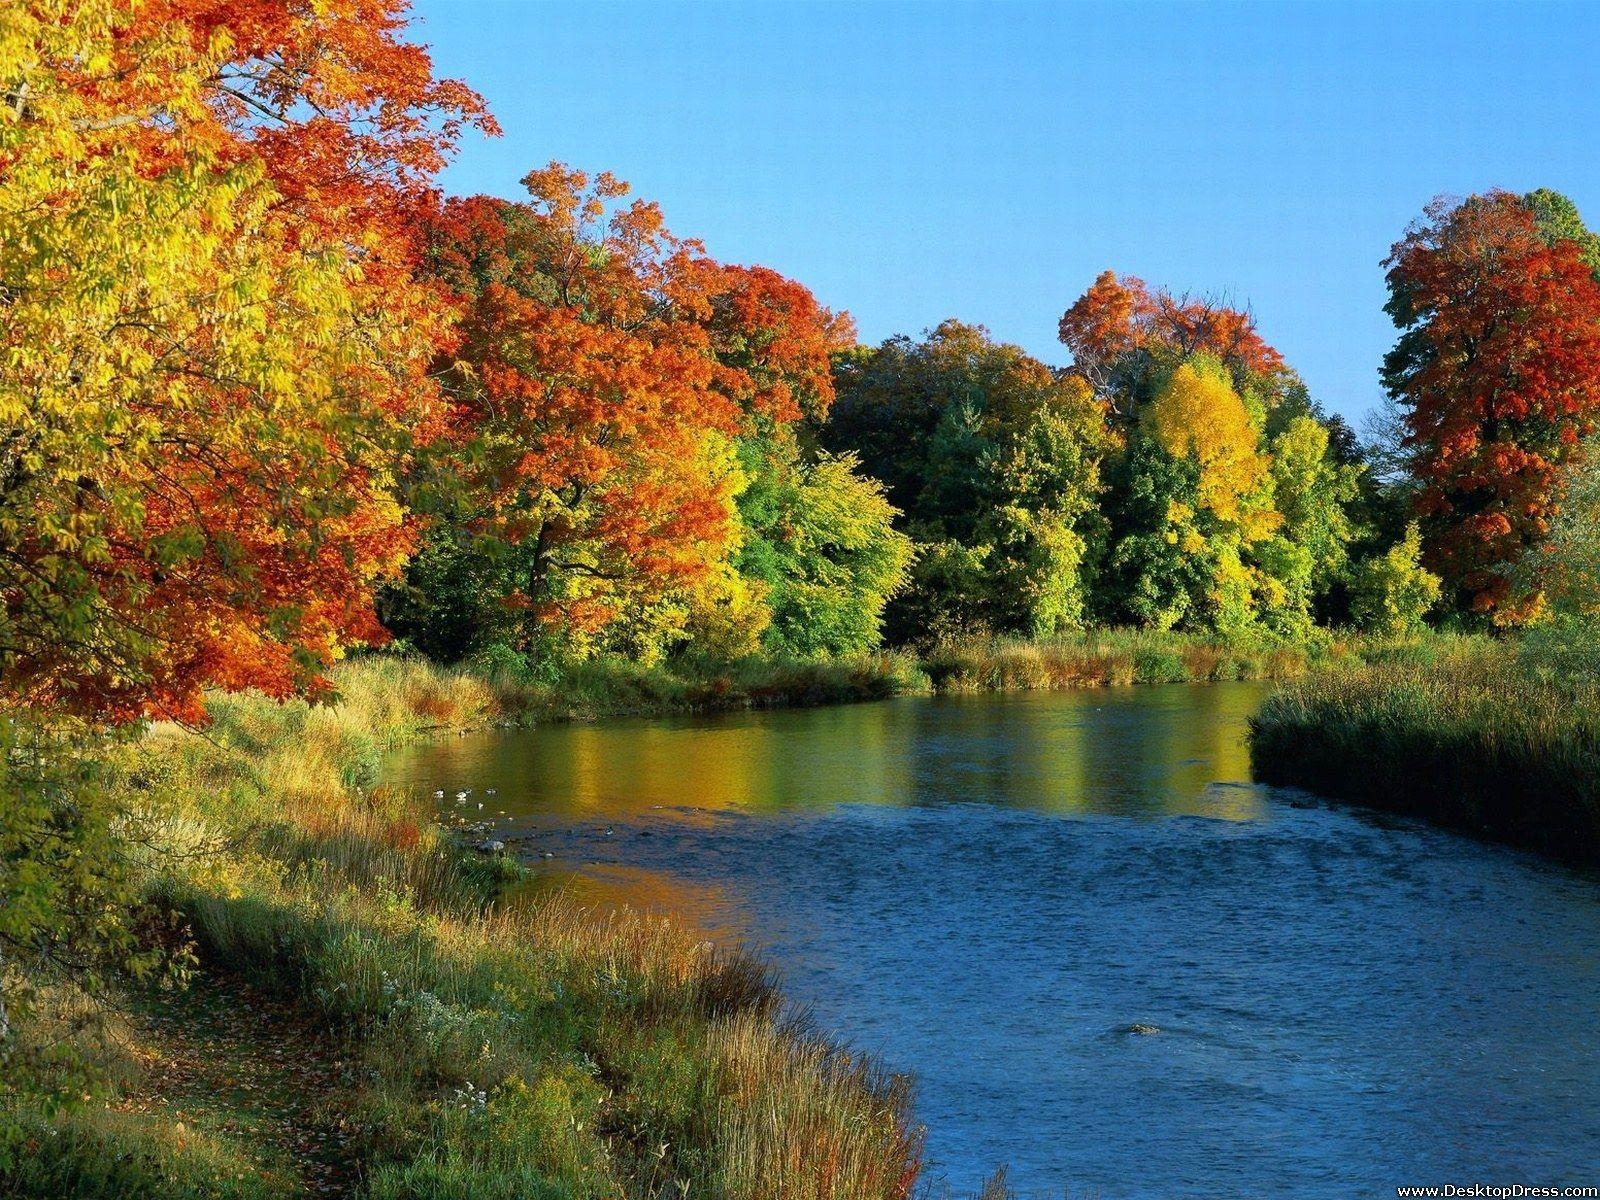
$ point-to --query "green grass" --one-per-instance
(615, 687)
(1098, 658)
(1489, 737)
(1119, 657)
(534, 1050)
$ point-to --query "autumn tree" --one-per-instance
(212, 357)
(589, 421)
(623, 446)
(1197, 497)
(1230, 505)
(1497, 370)
(207, 366)
(1123, 337)
(994, 459)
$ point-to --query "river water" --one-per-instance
(992, 892)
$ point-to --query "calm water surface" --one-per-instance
(988, 891)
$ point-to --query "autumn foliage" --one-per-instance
(1198, 416)
(1117, 321)
(254, 362)
(604, 370)
(213, 347)
(1498, 370)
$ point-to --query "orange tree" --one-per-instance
(211, 341)
(613, 392)
(1122, 335)
(1497, 371)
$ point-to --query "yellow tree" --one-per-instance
(1199, 416)
(204, 380)
(1210, 485)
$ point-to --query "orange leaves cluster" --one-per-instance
(773, 343)
(603, 369)
(1498, 365)
(1116, 318)
(215, 352)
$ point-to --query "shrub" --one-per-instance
(1392, 592)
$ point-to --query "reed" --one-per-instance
(1477, 735)
(499, 1047)
(1108, 658)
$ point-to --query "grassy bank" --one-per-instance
(1118, 657)
(616, 686)
(1103, 658)
(363, 1017)
(469, 1050)
(1477, 735)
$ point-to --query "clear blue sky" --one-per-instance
(913, 161)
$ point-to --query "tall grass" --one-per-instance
(1479, 735)
(1118, 657)
(614, 686)
(527, 1050)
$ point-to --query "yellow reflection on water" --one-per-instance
(1148, 751)
(613, 887)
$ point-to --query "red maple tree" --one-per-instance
(1498, 369)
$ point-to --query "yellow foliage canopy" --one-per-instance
(202, 388)
(1199, 416)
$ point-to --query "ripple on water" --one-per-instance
(994, 892)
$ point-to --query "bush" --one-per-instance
(1392, 592)
(69, 904)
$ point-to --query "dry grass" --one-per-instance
(1116, 658)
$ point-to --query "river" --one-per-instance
(1110, 960)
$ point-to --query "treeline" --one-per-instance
(1178, 476)
(268, 395)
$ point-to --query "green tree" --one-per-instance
(69, 896)
(1564, 570)
(1392, 592)
(1154, 569)
(1041, 486)
(994, 459)
(821, 542)
(1309, 554)
(1558, 220)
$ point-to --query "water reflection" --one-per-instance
(1125, 752)
(989, 891)
(613, 885)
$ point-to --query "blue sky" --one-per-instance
(913, 161)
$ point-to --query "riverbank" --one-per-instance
(1100, 658)
(456, 1047)
(467, 1049)
(1118, 657)
(1476, 735)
